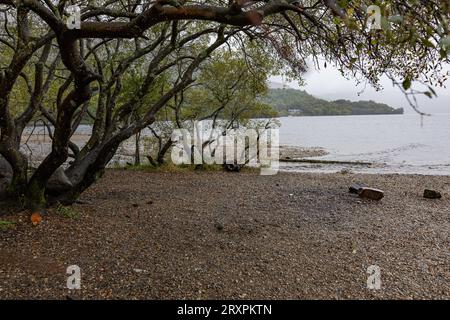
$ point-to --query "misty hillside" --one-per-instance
(300, 103)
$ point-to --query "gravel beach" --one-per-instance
(216, 235)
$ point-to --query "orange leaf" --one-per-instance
(36, 218)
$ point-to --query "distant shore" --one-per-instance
(215, 235)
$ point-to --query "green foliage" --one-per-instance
(229, 86)
(298, 102)
(5, 225)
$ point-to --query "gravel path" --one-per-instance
(208, 235)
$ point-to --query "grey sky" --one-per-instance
(329, 84)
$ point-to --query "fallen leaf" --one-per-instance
(36, 218)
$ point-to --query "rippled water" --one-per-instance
(394, 143)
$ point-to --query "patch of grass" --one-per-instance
(166, 167)
(170, 167)
(209, 167)
(5, 225)
(117, 165)
(66, 211)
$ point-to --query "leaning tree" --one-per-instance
(62, 75)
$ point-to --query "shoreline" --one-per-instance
(314, 161)
(216, 235)
(351, 170)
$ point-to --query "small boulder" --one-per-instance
(355, 188)
(218, 226)
(59, 182)
(431, 194)
(371, 193)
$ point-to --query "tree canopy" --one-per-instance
(129, 59)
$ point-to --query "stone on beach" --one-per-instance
(431, 194)
(355, 188)
(218, 226)
(371, 193)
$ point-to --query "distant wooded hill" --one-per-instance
(300, 103)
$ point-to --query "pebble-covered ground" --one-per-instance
(214, 235)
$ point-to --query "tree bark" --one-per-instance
(137, 153)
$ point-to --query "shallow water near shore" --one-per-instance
(393, 143)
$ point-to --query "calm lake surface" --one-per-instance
(393, 143)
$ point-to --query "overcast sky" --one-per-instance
(329, 84)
